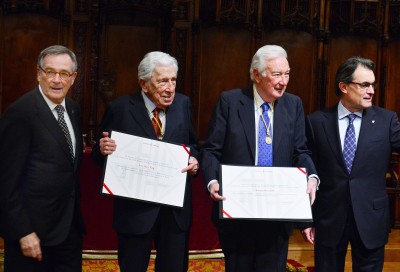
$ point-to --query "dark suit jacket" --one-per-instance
(38, 179)
(232, 138)
(365, 188)
(129, 115)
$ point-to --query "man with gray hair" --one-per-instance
(41, 147)
(155, 112)
(260, 125)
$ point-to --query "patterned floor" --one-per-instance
(201, 265)
(208, 265)
(112, 266)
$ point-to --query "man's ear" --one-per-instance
(343, 87)
(256, 75)
(143, 85)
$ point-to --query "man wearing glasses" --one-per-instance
(351, 144)
(41, 149)
(155, 112)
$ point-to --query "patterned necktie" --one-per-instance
(157, 123)
(349, 147)
(64, 128)
(264, 145)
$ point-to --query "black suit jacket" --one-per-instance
(38, 178)
(364, 189)
(232, 138)
(129, 115)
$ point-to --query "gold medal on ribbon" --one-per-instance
(268, 140)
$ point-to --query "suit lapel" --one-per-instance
(367, 126)
(47, 118)
(330, 126)
(74, 117)
(278, 129)
(246, 116)
(140, 113)
(172, 122)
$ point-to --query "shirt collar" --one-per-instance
(258, 100)
(50, 103)
(343, 112)
(148, 103)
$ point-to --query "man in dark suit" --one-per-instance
(138, 223)
(39, 171)
(233, 139)
(352, 204)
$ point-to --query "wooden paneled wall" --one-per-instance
(213, 41)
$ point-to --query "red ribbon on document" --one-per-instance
(227, 214)
(107, 189)
(302, 170)
(187, 150)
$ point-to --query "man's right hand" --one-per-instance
(309, 235)
(214, 189)
(30, 246)
(107, 145)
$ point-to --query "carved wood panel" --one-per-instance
(212, 40)
(24, 37)
(225, 65)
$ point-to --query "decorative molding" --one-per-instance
(182, 11)
(80, 30)
(394, 19)
(236, 12)
(360, 17)
(81, 5)
(291, 14)
(180, 54)
(94, 68)
(135, 12)
(50, 7)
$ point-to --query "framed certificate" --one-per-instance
(147, 170)
(268, 193)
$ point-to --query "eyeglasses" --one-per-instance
(52, 74)
(164, 82)
(365, 85)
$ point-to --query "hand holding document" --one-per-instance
(271, 193)
(146, 169)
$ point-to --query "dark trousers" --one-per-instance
(169, 241)
(254, 246)
(363, 259)
(65, 257)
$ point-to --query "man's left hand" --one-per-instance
(192, 167)
(308, 235)
(312, 188)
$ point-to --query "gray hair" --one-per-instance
(264, 54)
(152, 60)
(346, 70)
(55, 50)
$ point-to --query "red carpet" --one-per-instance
(108, 263)
(206, 265)
(112, 266)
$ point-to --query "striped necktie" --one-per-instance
(157, 123)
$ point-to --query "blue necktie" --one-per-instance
(349, 147)
(264, 149)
